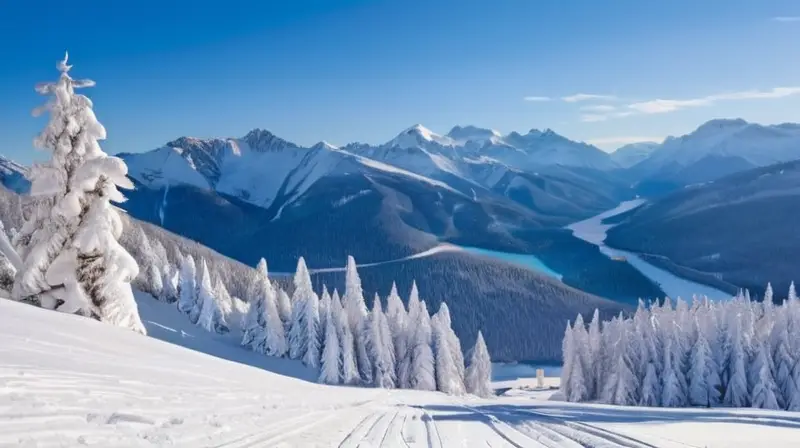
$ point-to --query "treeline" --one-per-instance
(736, 353)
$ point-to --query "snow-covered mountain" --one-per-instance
(716, 149)
(740, 228)
(13, 175)
(631, 154)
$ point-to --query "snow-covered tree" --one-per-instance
(349, 373)
(479, 371)
(397, 317)
(72, 260)
(331, 363)
(271, 340)
(736, 387)
(448, 375)
(210, 317)
(284, 309)
(422, 372)
(187, 300)
(324, 306)
(765, 392)
(303, 334)
(155, 281)
(169, 282)
(651, 389)
(356, 309)
(768, 294)
(453, 341)
(380, 347)
(792, 293)
(407, 343)
(703, 377)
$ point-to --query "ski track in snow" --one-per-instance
(70, 381)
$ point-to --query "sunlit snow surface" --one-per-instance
(69, 381)
(593, 230)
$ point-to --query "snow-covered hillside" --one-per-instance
(631, 154)
(69, 381)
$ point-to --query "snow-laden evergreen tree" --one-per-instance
(736, 394)
(671, 393)
(155, 281)
(479, 371)
(568, 364)
(311, 354)
(651, 389)
(303, 334)
(210, 317)
(595, 355)
(622, 384)
(453, 341)
(396, 316)
(448, 376)
(349, 373)
(784, 364)
(422, 368)
(187, 301)
(169, 282)
(324, 305)
(254, 324)
(765, 393)
(380, 347)
(356, 308)
(703, 376)
(331, 364)
(768, 294)
(269, 338)
(284, 309)
(224, 298)
(71, 258)
(792, 293)
(410, 327)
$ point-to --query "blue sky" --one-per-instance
(347, 71)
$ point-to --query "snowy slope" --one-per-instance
(716, 149)
(68, 381)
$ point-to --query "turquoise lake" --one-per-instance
(524, 260)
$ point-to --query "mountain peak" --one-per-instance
(324, 145)
(418, 135)
(723, 123)
(263, 140)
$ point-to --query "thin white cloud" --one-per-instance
(786, 19)
(592, 118)
(578, 97)
(660, 106)
(601, 108)
(615, 142)
(537, 98)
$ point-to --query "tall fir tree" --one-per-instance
(356, 308)
(331, 363)
(479, 371)
(187, 301)
(69, 243)
(422, 375)
(210, 317)
(380, 347)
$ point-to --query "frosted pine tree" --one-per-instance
(622, 384)
(784, 364)
(396, 316)
(274, 339)
(331, 363)
(768, 294)
(479, 371)
(155, 281)
(380, 347)
(210, 317)
(410, 327)
(422, 372)
(736, 388)
(349, 373)
(284, 309)
(671, 391)
(595, 355)
(224, 298)
(187, 301)
(703, 376)
(448, 376)
(303, 334)
(567, 362)
(254, 325)
(169, 290)
(356, 309)
(73, 261)
(651, 389)
(453, 341)
(324, 306)
(792, 293)
(311, 354)
(764, 394)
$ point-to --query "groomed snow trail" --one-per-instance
(70, 381)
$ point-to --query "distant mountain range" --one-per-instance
(263, 196)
